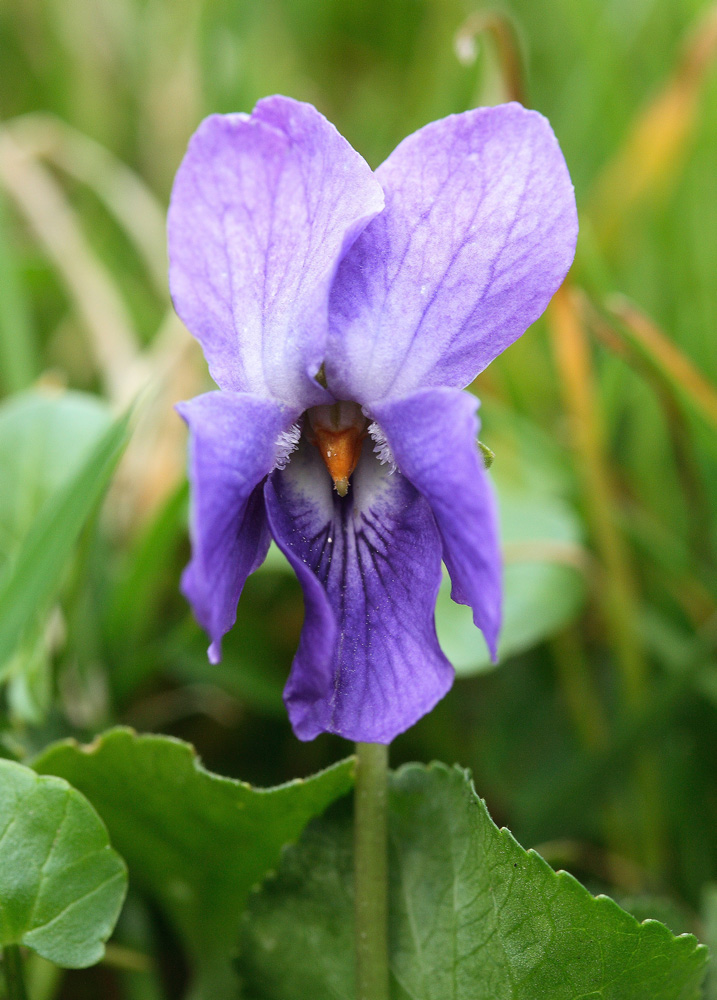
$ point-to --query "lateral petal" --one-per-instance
(262, 209)
(235, 441)
(368, 664)
(432, 437)
(478, 232)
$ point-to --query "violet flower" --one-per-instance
(341, 313)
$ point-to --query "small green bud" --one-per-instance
(488, 455)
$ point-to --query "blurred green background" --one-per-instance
(595, 740)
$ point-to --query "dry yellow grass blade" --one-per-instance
(551, 551)
(653, 151)
(631, 336)
(41, 201)
(155, 460)
(665, 355)
(123, 191)
(618, 592)
(170, 368)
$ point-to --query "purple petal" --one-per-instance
(368, 664)
(478, 232)
(432, 436)
(233, 446)
(262, 209)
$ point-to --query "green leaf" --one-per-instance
(139, 588)
(544, 588)
(194, 841)
(30, 679)
(18, 348)
(544, 582)
(32, 576)
(61, 884)
(649, 906)
(473, 916)
(44, 438)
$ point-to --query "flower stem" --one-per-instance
(371, 871)
(12, 967)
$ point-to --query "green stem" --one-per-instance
(14, 978)
(371, 871)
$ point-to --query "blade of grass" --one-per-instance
(580, 693)
(617, 591)
(688, 582)
(654, 149)
(17, 338)
(38, 196)
(123, 191)
(664, 368)
(580, 781)
(666, 358)
(129, 609)
(33, 577)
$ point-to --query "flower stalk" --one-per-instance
(371, 871)
(14, 977)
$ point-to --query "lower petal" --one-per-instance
(368, 664)
(432, 437)
(233, 447)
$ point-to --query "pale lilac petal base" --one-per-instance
(233, 446)
(368, 665)
(263, 207)
(432, 436)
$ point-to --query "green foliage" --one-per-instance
(17, 347)
(545, 561)
(473, 915)
(194, 841)
(98, 102)
(61, 884)
(32, 574)
(45, 436)
(543, 590)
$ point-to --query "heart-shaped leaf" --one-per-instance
(473, 916)
(193, 840)
(61, 883)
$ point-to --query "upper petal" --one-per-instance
(432, 437)
(368, 664)
(479, 230)
(234, 443)
(262, 208)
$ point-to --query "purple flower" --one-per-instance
(341, 313)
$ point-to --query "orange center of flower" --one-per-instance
(338, 431)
